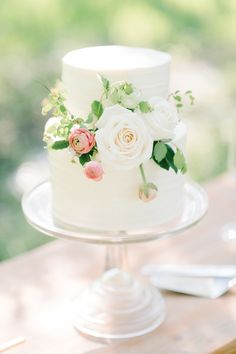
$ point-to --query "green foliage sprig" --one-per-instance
(179, 98)
(55, 104)
(116, 93)
(166, 157)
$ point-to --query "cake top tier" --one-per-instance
(146, 69)
(115, 57)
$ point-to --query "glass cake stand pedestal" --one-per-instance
(117, 305)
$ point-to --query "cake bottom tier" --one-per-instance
(112, 203)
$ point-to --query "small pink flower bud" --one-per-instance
(93, 170)
(147, 192)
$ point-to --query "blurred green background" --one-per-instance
(35, 34)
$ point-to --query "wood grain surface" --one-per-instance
(36, 290)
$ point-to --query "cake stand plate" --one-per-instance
(118, 305)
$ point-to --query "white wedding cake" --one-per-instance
(116, 144)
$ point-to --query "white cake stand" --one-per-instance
(117, 305)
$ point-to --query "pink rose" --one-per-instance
(93, 170)
(81, 140)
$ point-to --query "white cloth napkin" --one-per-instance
(209, 281)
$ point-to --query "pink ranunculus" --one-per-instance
(81, 140)
(93, 170)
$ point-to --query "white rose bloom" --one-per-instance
(52, 122)
(163, 120)
(122, 138)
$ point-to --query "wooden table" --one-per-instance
(36, 291)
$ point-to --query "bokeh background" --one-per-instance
(35, 34)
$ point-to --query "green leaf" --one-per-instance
(84, 158)
(63, 109)
(179, 161)
(170, 158)
(168, 161)
(114, 96)
(128, 88)
(164, 164)
(97, 108)
(60, 144)
(178, 98)
(105, 82)
(90, 118)
(145, 107)
(160, 151)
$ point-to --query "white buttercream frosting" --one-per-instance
(147, 69)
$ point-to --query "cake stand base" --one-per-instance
(118, 306)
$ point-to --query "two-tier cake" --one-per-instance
(116, 144)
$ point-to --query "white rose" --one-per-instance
(163, 120)
(122, 138)
(52, 123)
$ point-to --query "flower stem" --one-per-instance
(142, 173)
